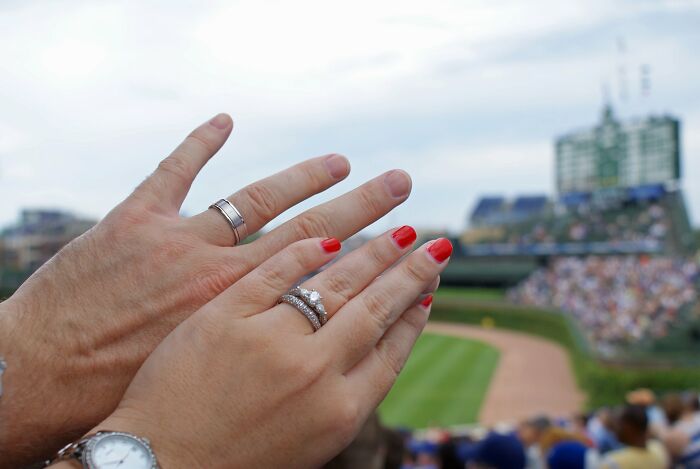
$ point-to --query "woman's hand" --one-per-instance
(77, 331)
(247, 383)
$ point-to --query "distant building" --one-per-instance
(37, 236)
(617, 154)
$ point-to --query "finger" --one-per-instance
(342, 281)
(171, 181)
(342, 217)
(433, 286)
(372, 378)
(264, 200)
(427, 294)
(359, 325)
(260, 289)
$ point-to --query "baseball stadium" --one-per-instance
(565, 306)
(350, 235)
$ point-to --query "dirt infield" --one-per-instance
(533, 375)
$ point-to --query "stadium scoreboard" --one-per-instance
(616, 154)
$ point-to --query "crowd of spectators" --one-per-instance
(641, 434)
(639, 222)
(645, 222)
(617, 300)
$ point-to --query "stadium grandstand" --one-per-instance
(613, 248)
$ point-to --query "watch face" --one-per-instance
(119, 451)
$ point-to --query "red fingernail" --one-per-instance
(427, 301)
(330, 245)
(440, 249)
(404, 236)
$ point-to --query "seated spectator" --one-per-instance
(683, 436)
(602, 431)
(498, 451)
(530, 433)
(568, 455)
(638, 452)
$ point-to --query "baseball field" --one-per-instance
(482, 359)
(444, 383)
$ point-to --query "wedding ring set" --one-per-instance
(308, 303)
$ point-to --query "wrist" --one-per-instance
(71, 464)
(169, 452)
(38, 406)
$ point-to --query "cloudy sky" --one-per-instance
(465, 95)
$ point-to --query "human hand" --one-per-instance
(77, 331)
(246, 383)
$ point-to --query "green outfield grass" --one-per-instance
(604, 382)
(443, 383)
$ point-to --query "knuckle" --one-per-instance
(195, 138)
(348, 418)
(123, 218)
(271, 279)
(214, 276)
(391, 357)
(262, 200)
(378, 254)
(341, 283)
(415, 317)
(298, 254)
(312, 175)
(369, 202)
(312, 224)
(126, 224)
(175, 167)
(416, 271)
(378, 306)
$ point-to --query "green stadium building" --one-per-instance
(619, 154)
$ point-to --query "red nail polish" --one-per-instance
(427, 301)
(330, 245)
(440, 249)
(404, 236)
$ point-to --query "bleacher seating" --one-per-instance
(644, 219)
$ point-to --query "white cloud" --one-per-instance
(95, 93)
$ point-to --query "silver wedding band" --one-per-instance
(233, 217)
(303, 308)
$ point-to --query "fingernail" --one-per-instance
(440, 249)
(337, 166)
(398, 183)
(330, 245)
(220, 121)
(404, 236)
(427, 301)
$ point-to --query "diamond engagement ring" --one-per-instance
(233, 217)
(313, 299)
(303, 308)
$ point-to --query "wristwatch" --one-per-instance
(110, 450)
